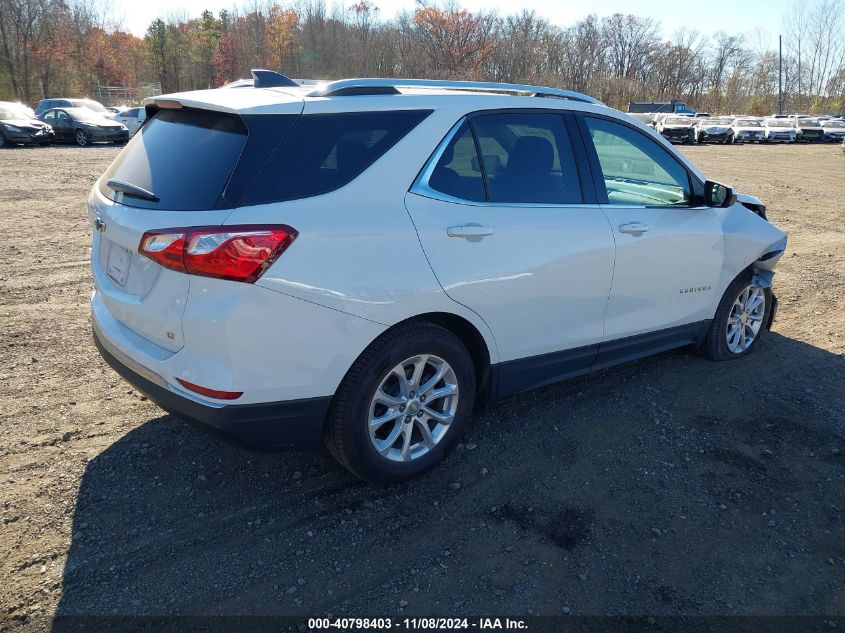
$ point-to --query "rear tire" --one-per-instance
(740, 321)
(4, 142)
(373, 391)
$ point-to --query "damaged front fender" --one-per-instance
(749, 241)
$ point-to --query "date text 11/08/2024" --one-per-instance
(317, 624)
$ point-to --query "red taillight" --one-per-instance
(237, 253)
(211, 393)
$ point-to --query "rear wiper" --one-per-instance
(129, 189)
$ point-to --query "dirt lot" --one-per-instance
(667, 486)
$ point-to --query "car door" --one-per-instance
(668, 245)
(129, 118)
(509, 232)
(49, 117)
(63, 125)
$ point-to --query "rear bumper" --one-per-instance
(294, 424)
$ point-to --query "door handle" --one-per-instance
(634, 228)
(469, 231)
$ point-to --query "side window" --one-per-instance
(130, 114)
(635, 169)
(527, 158)
(323, 152)
(49, 116)
(61, 115)
(458, 173)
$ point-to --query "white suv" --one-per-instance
(363, 261)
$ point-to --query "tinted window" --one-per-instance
(130, 114)
(185, 157)
(527, 158)
(49, 116)
(458, 173)
(636, 170)
(323, 152)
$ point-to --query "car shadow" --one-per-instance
(646, 488)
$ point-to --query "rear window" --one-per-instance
(323, 152)
(184, 157)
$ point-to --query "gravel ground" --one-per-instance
(667, 486)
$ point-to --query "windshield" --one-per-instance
(779, 123)
(14, 111)
(7, 114)
(83, 114)
(836, 124)
(747, 123)
(677, 120)
(808, 123)
(716, 122)
(90, 104)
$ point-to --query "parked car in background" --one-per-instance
(834, 130)
(677, 129)
(519, 268)
(746, 130)
(113, 110)
(647, 118)
(702, 115)
(90, 104)
(132, 118)
(83, 127)
(670, 107)
(779, 130)
(17, 127)
(809, 130)
(714, 130)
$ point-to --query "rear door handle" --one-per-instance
(634, 228)
(469, 231)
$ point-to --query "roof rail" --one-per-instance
(270, 79)
(390, 86)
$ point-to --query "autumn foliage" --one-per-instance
(64, 48)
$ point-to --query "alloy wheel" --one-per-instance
(413, 408)
(745, 318)
(81, 138)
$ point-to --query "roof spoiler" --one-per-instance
(270, 79)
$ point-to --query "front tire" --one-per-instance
(403, 405)
(740, 321)
(81, 138)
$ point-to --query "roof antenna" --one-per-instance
(270, 79)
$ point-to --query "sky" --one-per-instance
(761, 20)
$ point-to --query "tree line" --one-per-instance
(66, 47)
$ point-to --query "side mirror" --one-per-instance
(718, 195)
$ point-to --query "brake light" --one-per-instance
(237, 253)
(211, 393)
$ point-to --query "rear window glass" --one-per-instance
(323, 152)
(184, 157)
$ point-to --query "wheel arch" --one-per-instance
(472, 338)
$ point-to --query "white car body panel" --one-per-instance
(541, 281)
(370, 255)
(655, 270)
(132, 118)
